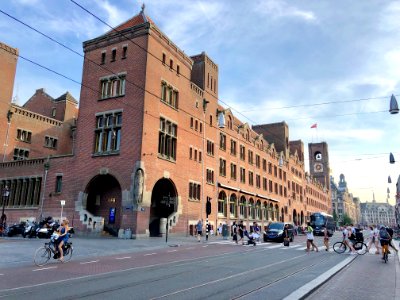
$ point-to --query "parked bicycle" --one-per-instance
(44, 253)
(341, 247)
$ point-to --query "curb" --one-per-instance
(310, 287)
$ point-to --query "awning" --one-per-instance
(267, 198)
(248, 193)
(228, 187)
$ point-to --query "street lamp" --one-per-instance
(46, 170)
(6, 195)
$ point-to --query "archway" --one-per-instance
(301, 218)
(163, 204)
(104, 200)
(295, 217)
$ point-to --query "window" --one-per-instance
(171, 64)
(242, 175)
(103, 58)
(24, 136)
(222, 167)
(265, 183)
(167, 139)
(258, 181)
(113, 86)
(194, 191)
(169, 95)
(222, 141)
(195, 154)
(190, 153)
(257, 161)
(58, 184)
(233, 147)
(222, 203)
(275, 171)
(211, 121)
(201, 127)
(113, 54)
(178, 70)
(20, 154)
(200, 156)
(269, 168)
(164, 58)
(53, 112)
(270, 186)
(242, 152)
(124, 51)
(233, 171)
(210, 176)
(232, 206)
(280, 173)
(251, 182)
(196, 125)
(264, 163)
(50, 142)
(250, 157)
(210, 148)
(191, 122)
(108, 133)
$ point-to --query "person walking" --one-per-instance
(326, 239)
(285, 235)
(199, 228)
(241, 231)
(310, 238)
(234, 231)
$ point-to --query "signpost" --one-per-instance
(168, 201)
(62, 206)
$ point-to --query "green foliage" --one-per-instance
(346, 219)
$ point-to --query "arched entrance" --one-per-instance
(163, 204)
(302, 218)
(295, 220)
(104, 200)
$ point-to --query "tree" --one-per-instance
(346, 219)
(335, 218)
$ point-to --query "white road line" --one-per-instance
(205, 246)
(47, 268)
(306, 289)
(126, 257)
(150, 254)
(172, 251)
(89, 262)
(1, 274)
(191, 248)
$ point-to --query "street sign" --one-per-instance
(62, 202)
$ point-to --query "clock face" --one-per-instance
(318, 156)
(318, 168)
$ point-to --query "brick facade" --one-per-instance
(148, 147)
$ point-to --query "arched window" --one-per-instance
(277, 212)
(222, 204)
(252, 209)
(233, 206)
(242, 208)
(265, 211)
(272, 211)
(258, 210)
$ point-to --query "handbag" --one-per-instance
(286, 242)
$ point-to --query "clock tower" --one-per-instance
(319, 162)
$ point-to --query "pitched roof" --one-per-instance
(66, 96)
(140, 18)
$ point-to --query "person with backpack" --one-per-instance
(384, 238)
(390, 231)
(234, 231)
(346, 239)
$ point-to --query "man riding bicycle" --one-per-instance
(346, 239)
(384, 238)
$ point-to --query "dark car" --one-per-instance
(16, 229)
(275, 232)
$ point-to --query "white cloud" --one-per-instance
(281, 9)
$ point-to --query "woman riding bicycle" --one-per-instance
(63, 238)
(346, 239)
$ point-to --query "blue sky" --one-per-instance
(278, 61)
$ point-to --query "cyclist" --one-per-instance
(390, 231)
(346, 239)
(384, 237)
(63, 238)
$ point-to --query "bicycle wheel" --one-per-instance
(360, 248)
(42, 256)
(339, 247)
(68, 253)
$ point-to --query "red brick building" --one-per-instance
(150, 144)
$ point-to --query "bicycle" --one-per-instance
(385, 252)
(341, 247)
(44, 253)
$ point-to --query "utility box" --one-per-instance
(225, 231)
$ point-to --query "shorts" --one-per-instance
(384, 242)
(199, 232)
(310, 240)
(326, 239)
(241, 234)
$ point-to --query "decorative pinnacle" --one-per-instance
(143, 6)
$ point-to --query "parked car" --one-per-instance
(16, 229)
(275, 232)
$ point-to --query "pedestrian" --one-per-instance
(326, 239)
(371, 238)
(199, 228)
(310, 238)
(376, 235)
(241, 232)
(220, 229)
(286, 235)
(234, 231)
(347, 232)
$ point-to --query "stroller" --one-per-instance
(251, 240)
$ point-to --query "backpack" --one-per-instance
(383, 234)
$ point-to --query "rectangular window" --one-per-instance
(124, 51)
(53, 112)
(233, 147)
(280, 173)
(222, 141)
(210, 176)
(113, 54)
(200, 156)
(103, 58)
(258, 161)
(112, 87)
(242, 175)
(242, 153)
(169, 95)
(275, 171)
(195, 154)
(108, 133)
(250, 157)
(171, 64)
(58, 184)
(50, 142)
(210, 148)
(191, 122)
(251, 182)
(24, 136)
(164, 58)
(269, 168)
(265, 183)
(270, 189)
(20, 154)
(167, 139)
(264, 163)
(222, 167)
(190, 153)
(233, 171)
(258, 181)
(178, 70)
(194, 191)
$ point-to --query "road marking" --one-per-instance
(1, 274)
(228, 277)
(172, 251)
(89, 262)
(306, 289)
(205, 246)
(150, 254)
(190, 248)
(47, 268)
(126, 257)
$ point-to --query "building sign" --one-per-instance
(111, 216)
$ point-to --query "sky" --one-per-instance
(333, 63)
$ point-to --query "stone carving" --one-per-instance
(138, 186)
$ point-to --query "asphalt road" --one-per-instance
(216, 270)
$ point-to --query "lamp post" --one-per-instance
(46, 170)
(6, 195)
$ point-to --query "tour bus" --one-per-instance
(319, 221)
